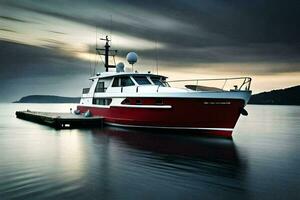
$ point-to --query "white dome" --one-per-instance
(132, 57)
(120, 67)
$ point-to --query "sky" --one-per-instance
(48, 47)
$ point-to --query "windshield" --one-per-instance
(142, 80)
(126, 81)
(122, 81)
(158, 81)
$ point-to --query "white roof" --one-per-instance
(113, 74)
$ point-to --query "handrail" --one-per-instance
(164, 84)
(158, 87)
(246, 81)
(212, 79)
(246, 84)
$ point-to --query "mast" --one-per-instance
(107, 52)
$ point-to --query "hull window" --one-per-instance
(102, 101)
(138, 102)
(158, 101)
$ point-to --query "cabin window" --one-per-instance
(122, 82)
(102, 101)
(85, 90)
(126, 81)
(157, 81)
(142, 80)
(116, 82)
(100, 87)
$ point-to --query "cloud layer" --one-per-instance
(41, 39)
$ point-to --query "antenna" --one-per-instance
(106, 52)
(90, 63)
(156, 56)
(95, 53)
(110, 31)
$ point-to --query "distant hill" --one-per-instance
(48, 99)
(287, 96)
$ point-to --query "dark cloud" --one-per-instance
(214, 22)
(13, 19)
(230, 54)
(138, 26)
(30, 61)
(53, 42)
(57, 32)
(190, 33)
(8, 30)
(220, 31)
(26, 69)
(266, 56)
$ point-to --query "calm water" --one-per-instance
(261, 162)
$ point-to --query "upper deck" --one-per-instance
(129, 83)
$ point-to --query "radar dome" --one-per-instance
(132, 57)
(120, 67)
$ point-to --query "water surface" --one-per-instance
(261, 161)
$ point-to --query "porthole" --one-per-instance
(138, 102)
(158, 101)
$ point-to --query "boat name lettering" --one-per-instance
(217, 103)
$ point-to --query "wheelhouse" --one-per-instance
(106, 83)
(138, 80)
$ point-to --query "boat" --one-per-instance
(146, 100)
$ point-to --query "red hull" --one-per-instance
(211, 116)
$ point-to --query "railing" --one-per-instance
(225, 84)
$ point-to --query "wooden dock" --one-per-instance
(61, 120)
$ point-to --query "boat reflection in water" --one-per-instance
(177, 154)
